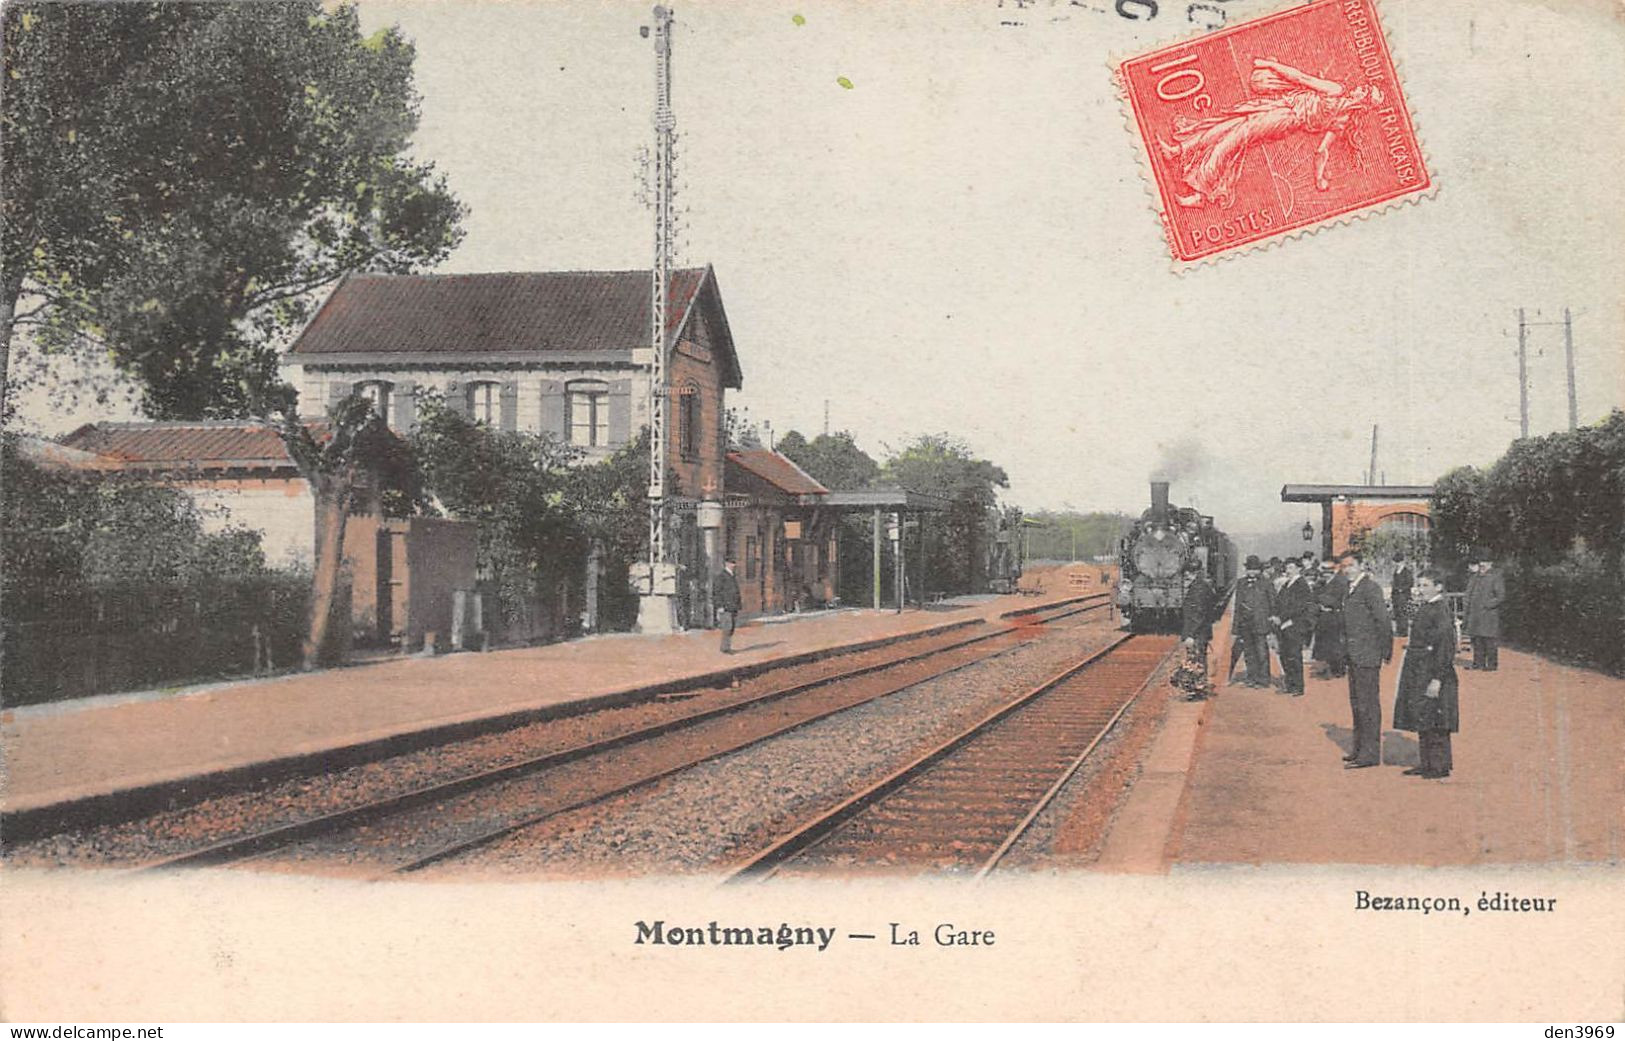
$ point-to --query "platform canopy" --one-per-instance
(884, 499)
(1331, 492)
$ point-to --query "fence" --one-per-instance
(75, 641)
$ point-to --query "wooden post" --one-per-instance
(902, 540)
(876, 541)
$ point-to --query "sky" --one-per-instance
(960, 240)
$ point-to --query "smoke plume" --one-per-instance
(1181, 460)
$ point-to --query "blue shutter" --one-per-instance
(405, 407)
(620, 412)
(337, 391)
(510, 406)
(555, 410)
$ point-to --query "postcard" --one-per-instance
(985, 510)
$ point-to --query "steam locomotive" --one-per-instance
(1152, 556)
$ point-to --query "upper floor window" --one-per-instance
(589, 413)
(485, 402)
(688, 422)
(377, 394)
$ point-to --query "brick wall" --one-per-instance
(1353, 515)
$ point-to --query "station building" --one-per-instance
(1347, 510)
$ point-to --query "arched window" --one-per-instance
(588, 401)
(688, 420)
(377, 394)
(1406, 522)
(484, 399)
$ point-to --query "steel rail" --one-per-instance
(766, 862)
(1061, 782)
(269, 840)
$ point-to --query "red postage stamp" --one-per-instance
(1276, 125)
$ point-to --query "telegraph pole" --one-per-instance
(657, 581)
(1568, 355)
(1523, 376)
(1524, 325)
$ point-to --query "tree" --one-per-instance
(517, 487)
(833, 460)
(353, 463)
(943, 466)
(181, 178)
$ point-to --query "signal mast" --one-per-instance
(657, 580)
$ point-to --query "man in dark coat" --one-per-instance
(1251, 622)
(1399, 593)
(725, 596)
(1485, 594)
(1427, 703)
(1368, 634)
(1295, 611)
(1329, 643)
(1196, 623)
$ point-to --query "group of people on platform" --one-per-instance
(1336, 612)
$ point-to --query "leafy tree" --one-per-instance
(739, 430)
(182, 177)
(354, 464)
(67, 529)
(833, 460)
(956, 548)
(517, 486)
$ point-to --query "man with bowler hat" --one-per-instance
(1329, 640)
(1295, 611)
(1485, 593)
(725, 595)
(1368, 633)
(1251, 623)
(1399, 593)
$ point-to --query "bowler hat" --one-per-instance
(1253, 563)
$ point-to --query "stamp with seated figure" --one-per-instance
(1274, 126)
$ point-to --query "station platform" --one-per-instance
(1256, 777)
(74, 756)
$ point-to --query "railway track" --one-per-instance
(436, 821)
(966, 803)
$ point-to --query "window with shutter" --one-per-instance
(484, 401)
(377, 393)
(588, 412)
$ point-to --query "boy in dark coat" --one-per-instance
(1427, 703)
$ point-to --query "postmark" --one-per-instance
(1274, 126)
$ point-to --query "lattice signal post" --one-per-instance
(656, 580)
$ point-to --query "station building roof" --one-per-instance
(1329, 492)
(777, 470)
(216, 444)
(507, 317)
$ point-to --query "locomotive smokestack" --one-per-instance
(1159, 498)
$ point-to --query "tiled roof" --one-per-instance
(218, 443)
(523, 312)
(777, 470)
